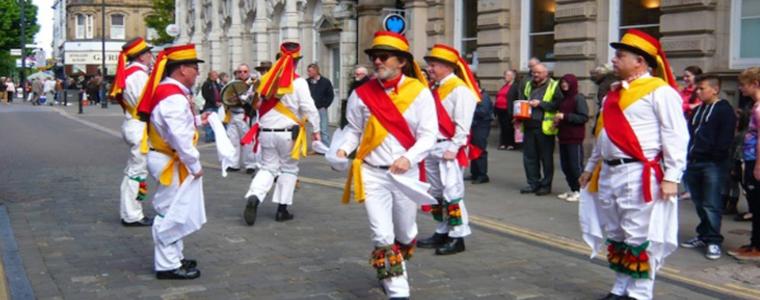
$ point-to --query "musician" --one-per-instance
(238, 124)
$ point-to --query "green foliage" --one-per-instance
(10, 31)
(163, 15)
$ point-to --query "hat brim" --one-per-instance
(147, 49)
(185, 61)
(383, 48)
(651, 60)
(262, 69)
(438, 59)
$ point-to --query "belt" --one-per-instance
(154, 149)
(619, 161)
(376, 167)
(442, 140)
(276, 129)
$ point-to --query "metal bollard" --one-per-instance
(81, 98)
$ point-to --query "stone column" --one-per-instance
(369, 16)
(259, 29)
(346, 14)
(215, 35)
(198, 38)
(417, 16)
(687, 41)
(290, 24)
(493, 42)
(181, 16)
(235, 46)
(575, 35)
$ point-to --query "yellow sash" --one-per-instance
(447, 87)
(637, 89)
(162, 146)
(300, 146)
(374, 135)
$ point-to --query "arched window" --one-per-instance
(80, 26)
(117, 26)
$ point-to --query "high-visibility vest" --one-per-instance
(547, 125)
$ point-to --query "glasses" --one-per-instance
(382, 56)
(193, 66)
(243, 71)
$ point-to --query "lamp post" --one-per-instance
(22, 5)
(103, 100)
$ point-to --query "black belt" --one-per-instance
(154, 149)
(442, 140)
(619, 161)
(376, 167)
(276, 129)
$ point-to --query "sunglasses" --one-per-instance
(382, 56)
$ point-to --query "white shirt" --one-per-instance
(460, 105)
(660, 126)
(420, 116)
(175, 122)
(49, 86)
(299, 102)
(134, 84)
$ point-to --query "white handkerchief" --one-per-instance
(224, 149)
(186, 214)
(337, 163)
(413, 188)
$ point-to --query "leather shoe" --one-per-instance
(249, 214)
(179, 273)
(612, 296)
(144, 222)
(480, 180)
(543, 191)
(434, 241)
(189, 263)
(528, 190)
(453, 246)
(231, 169)
(250, 170)
(283, 215)
(468, 177)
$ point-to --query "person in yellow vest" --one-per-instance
(131, 75)
(281, 133)
(539, 132)
(457, 94)
(391, 119)
(631, 179)
(173, 159)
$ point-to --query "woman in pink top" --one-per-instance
(503, 111)
(690, 99)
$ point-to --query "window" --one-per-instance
(88, 27)
(80, 25)
(745, 27)
(469, 25)
(538, 31)
(117, 26)
(643, 15)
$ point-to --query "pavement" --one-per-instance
(59, 178)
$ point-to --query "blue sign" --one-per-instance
(395, 23)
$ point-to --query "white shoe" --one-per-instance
(564, 196)
(574, 197)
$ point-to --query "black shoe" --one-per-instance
(399, 298)
(453, 246)
(528, 190)
(144, 222)
(468, 177)
(543, 191)
(189, 263)
(231, 169)
(249, 214)
(250, 170)
(283, 215)
(612, 296)
(434, 241)
(179, 273)
(480, 180)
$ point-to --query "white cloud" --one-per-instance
(44, 37)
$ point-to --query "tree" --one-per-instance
(163, 15)
(10, 18)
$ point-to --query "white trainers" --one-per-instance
(573, 197)
(564, 196)
(713, 252)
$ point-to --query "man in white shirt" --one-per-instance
(238, 126)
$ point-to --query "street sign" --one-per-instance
(395, 23)
(15, 52)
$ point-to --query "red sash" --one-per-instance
(121, 84)
(252, 136)
(621, 134)
(447, 127)
(381, 106)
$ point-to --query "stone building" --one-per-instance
(78, 33)
(571, 36)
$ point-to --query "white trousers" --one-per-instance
(625, 217)
(235, 130)
(275, 163)
(136, 170)
(447, 183)
(165, 257)
(392, 217)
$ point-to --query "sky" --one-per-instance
(45, 18)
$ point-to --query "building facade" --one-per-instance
(571, 36)
(79, 32)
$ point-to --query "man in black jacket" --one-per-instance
(712, 131)
(479, 130)
(322, 92)
(212, 94)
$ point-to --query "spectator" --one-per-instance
(224, 78)
(479, 130)
(322, 92)
(571, 121)
(690, 99)
(544, 97)
(732, 187)
(712, 129)
(3, 87)
(749, 84)
(212, 94)
(361, 75)
(10, 88)
(36, 91)
(93, 89)
(49, 89)
(263, 67)
(603, 77)
(503, 110)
